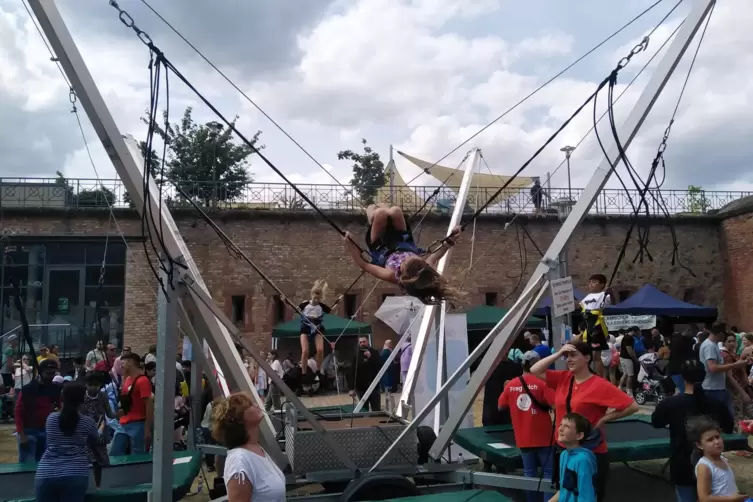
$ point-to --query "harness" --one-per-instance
(595, 322)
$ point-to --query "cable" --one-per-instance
(542, 86)
(577, 145)
(348, 191)
(643, 187)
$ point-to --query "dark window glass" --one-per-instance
(66, 253)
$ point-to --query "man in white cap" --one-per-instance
(10, 354)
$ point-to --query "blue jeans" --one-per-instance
(723, 397)
(679, 383)
(133, 434)
(62, 489)
(686, 493)
(533, 460)
(33, 449)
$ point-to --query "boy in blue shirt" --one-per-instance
(577, 464)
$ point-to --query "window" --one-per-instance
(238, 309)
(623, 295)
(491, 299)
(350, 305)
(279, 307)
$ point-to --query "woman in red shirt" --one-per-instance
(578, 390)
(529, 400)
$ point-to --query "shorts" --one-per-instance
(392, 240)
(627, 367)
(306, 329)
(598, 341)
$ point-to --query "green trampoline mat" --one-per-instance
(631, 439)
(184, 473)
(462, 496)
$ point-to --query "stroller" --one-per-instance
(652, 383)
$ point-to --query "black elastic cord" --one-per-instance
(19, 305)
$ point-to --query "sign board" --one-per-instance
(63, 307)
(187, 349)
(563, 299)
(456, 343)
(627, 321)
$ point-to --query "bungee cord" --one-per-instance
(348, 191)
(608, 82)
(643, 230)
(583, 138)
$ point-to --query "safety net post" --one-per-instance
(127, 161)
(503, 338)
(421, 339)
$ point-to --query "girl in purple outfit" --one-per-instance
(395, 257)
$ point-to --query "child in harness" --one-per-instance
(394, 256)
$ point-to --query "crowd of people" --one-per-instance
(558, 416)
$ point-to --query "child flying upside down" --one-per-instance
(596, 332)
(312, 325)
(395, 257)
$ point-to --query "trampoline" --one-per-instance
(631, 439)
(128, 479)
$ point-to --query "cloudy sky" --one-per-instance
(422, 75)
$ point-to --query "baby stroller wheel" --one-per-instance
(660, 397)
(640, 397)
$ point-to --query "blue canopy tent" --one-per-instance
(544, 307)
(651, 301)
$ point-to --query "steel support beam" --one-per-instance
(164, 395)
(503, 338)
(441, 411)
(530, 296)
(471, 165)
(128, 163)
(198, 296)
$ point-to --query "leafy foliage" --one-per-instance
(203, 160)
(88, 197)
(698, 203)
(368, 171)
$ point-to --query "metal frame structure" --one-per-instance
(429, 314)
(502, 335)
(191, 295)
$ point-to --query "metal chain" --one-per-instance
(128, 21)
(72, 98)
(642, 46)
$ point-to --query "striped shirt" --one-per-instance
(67, 455)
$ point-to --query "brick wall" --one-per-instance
(296, 248)
(737, 246)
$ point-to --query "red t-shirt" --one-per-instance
(139, 396)
(591, 399)
(532, 426)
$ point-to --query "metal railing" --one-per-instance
(89, 193)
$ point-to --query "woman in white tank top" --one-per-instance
(250, 474)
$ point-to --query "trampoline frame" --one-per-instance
(193, 296)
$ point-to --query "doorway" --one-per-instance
(64, 304)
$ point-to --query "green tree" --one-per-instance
(698, 203)
(204, 161)
(368, 171)
(87, 197)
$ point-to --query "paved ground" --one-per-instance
(623, 481)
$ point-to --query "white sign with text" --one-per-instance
(627, 321)
(563, 299)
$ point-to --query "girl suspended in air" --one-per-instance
(396, 258)
(312, 325)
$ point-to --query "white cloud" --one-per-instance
(423, 75)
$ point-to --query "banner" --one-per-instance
(626, 321)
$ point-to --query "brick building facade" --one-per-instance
(297, 248)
